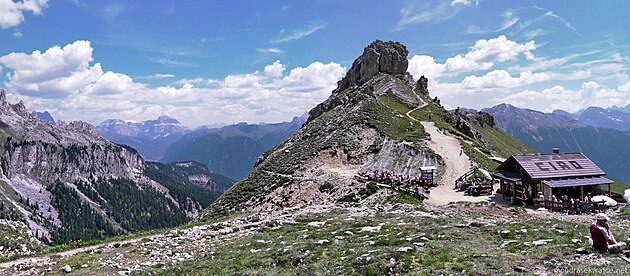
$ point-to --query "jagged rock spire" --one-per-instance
(423, 84)
(378, 57)
(389, 58)
(20, 108)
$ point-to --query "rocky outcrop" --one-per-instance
(49, 151)
(462, 119)
(423, 85)
(378, 57)
(84, 127)
(382, 64)
(481, 118)
(20, 109)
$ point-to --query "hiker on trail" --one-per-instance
(602, 236)
(541, 198)
(430, 115)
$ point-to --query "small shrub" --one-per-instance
(351, 197)
(326, 187)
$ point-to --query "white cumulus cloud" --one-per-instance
(482, 56)
(12, 12)
(64, 81)
(53, 73)
(558, 97)
(486, 75)
(274, 70)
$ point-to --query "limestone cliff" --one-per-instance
(67, 182)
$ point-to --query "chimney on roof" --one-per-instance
(556, 150)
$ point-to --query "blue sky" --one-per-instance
(206, 62)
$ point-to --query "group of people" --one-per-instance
(397, 181)
(392, 178)
(566, 200)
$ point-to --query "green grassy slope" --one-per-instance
(388, 115)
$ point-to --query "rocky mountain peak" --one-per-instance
(84, 127)
(43, 115)
(3, 96)
(378, 57)
(165, 119)
(363, 126)
(376, 72)
(20, 108)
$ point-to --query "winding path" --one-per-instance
(456, 163)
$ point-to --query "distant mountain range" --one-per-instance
(623, 109)
(151, 138)
(44, 116)
(607, 147)
(600, 117)
(231, 150)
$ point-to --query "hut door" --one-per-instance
(518, 191)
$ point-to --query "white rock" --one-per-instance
(404, 249)
(505, 244)
(541, 242)
(316, 223)
(371, 229)
(321, 242)
(66, 269)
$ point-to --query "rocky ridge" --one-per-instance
(360, 126)
(46, 167)
(375, 119)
